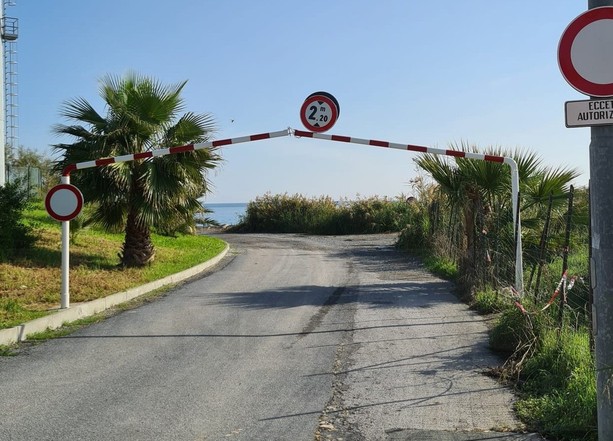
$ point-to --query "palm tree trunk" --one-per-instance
(137, 249)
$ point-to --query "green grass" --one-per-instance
(30, 284)
(7, 351)
(14, 313)
(442, 267)
(489, 301)
(552, 370)
(559, 387)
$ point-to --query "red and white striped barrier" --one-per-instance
(172, 150)
(408, 147)
(65, 294)
(519, 272)
(298, 133)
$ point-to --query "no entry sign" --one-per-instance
(585, 52)
(64, 202)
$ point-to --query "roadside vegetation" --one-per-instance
(140, 216)
(30, 280)
(463, 219)
(299, 214)
(134, 197)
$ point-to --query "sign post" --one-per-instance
(585, 56)
(63, 203)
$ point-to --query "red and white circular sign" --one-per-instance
(64, 202)
(585, 52)
(319, 112)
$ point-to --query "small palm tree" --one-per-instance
(141, 115)
(480, 192)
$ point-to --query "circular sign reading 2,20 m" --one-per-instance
(319, 112)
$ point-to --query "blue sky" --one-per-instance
(418, 72)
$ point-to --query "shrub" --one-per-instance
(488, 301)
(414, 236)
(15, 237)
(561, 383)
(516, 332)
(298, 214)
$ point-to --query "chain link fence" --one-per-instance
(29, 178)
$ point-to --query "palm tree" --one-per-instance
(479, 192)
(141, 115)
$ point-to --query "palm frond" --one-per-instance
(80, 109)
(142, 114)
(548, 182)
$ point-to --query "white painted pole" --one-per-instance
(519, 267)
(519, 264)
(65, 294)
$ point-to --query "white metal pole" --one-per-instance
(519, 264)
(519, 267)
(65, 294)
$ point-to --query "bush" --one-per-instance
(489, 301)
(298, 214)
(515, 330)
(414, 236)
(15, 237)
(561, 383)
(554, 372)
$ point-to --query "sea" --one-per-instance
(226, 213)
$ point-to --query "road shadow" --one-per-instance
(388, 295)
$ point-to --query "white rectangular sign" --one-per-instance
(589, 113)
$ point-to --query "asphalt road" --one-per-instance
(291, 338)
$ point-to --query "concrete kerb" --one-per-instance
(57, 319)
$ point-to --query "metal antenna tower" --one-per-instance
(8, 102)
(9, 37)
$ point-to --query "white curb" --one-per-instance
(55, 320)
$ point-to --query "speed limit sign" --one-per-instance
(319, 112)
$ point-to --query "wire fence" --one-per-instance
(29, 178)
(478, 235)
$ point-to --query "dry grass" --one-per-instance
(30, 285)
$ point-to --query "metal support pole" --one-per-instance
(601, 213)
(519, 260)
(65, 294)
(601, 180)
